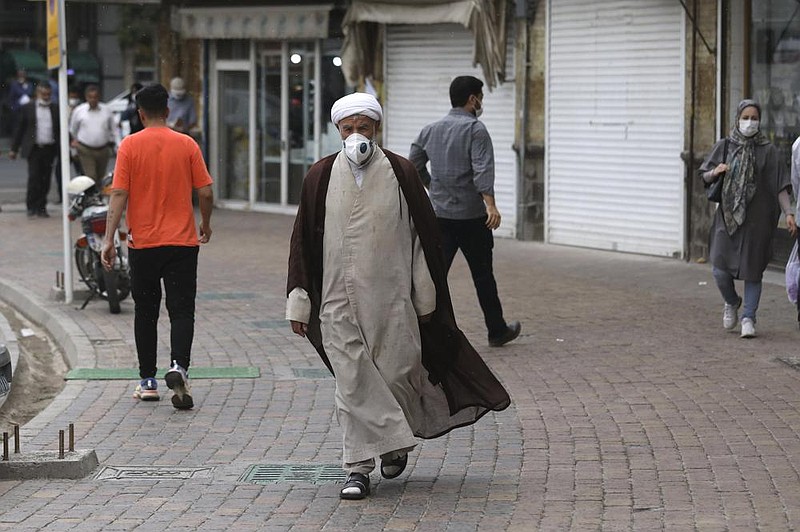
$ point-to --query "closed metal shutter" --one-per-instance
(615, 125)
(421, 61)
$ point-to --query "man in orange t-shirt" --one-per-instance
(155, 173)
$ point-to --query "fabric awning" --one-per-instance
(28, 60)
(271, 22)
(486, 19)
(84, 67)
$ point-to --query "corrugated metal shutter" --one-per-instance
(615, 125)
(421, 61)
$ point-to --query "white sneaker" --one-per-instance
(748, 328)
(730, 315)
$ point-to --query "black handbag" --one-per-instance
(714, 190)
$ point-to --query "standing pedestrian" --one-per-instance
(131, 113)
(37, 136)
(20, 92)
(92, 130)
(182, 114)
(754, 192)
(368, 288)
(461, 183)
(156, 171)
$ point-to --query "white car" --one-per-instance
(118, 104)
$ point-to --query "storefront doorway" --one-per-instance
(272, 115)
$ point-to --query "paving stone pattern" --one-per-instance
(632, 408)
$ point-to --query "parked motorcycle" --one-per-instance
(88, 204)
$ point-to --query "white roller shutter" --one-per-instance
(421, 61)
(615, 125)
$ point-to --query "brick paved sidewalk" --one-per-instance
(632, 408)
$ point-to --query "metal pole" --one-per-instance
(5, 447)
(16, 439)
(63, 107)
(71, 437)
(61, 444)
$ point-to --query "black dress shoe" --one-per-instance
(42, 214)
(512, 331)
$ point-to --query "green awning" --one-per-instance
(84, 67)
(28, 60)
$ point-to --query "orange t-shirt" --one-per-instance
(159, 167)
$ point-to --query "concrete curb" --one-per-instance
(67, 334)
(9, 338)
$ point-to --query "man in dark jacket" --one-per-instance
(36, 138)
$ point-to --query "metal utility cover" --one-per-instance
(315, 474)
(153, 473)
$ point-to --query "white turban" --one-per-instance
(358, 103)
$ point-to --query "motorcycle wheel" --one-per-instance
(110, 280)
(84, 260)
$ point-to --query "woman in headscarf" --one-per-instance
(755, 191)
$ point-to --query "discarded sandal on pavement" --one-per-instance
(356, 487)
(394, 468)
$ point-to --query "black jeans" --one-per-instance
(40, 168)
(476, 242)
(177, 266)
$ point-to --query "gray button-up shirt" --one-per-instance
(462, 164)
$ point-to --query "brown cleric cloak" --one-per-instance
(453, 365)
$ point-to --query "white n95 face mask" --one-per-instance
(358, 148)
(748, 128)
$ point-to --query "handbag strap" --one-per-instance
(725, 152)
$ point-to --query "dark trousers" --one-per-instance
(476, 242)
(177, 266)
(40, 168)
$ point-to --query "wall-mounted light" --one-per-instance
(337, 61)
(295, 59)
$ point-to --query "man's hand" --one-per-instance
(74, 143)
(492, 217)
(109, 255)
(205, 233)
(791, 224)
(299, 328)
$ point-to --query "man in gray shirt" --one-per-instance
(461, 184)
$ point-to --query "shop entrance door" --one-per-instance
(287, 111)
(234, 125)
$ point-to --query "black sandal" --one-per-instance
(358, 481)
(399, 462)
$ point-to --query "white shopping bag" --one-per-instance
(792, 273)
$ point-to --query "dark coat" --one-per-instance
(747, 252)
(25, 134)
(453, 365)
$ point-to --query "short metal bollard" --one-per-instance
(16, 439)
(5, 447)
(71, 438)
(61, 444)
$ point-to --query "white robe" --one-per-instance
(375, 284)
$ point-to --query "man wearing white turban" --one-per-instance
(367, 286)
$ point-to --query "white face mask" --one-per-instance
(358, 148)
(73, 102)
(748, 128)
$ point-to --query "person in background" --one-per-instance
(367, 286)
(92, 130)
(157, 169)
(20, 92)
(461, 183)
(182, 115)
(131, 113)
(754, 193)
(37, 136)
